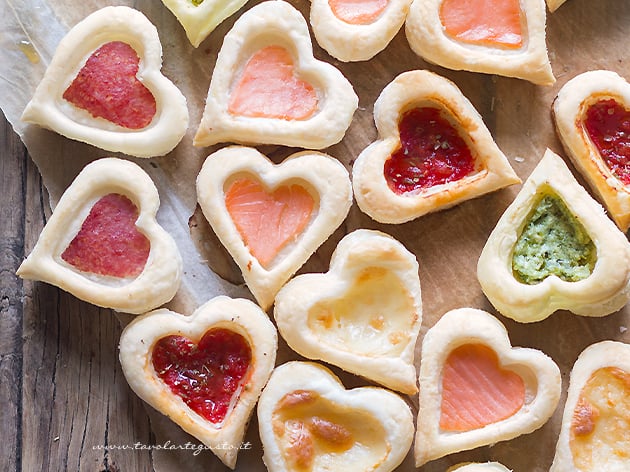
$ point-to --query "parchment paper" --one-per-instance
(582, 35)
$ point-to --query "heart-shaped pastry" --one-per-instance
(271, 218)
(476, 389)
(353, 30)
(479, 467)
(103, 244)
(503, 37)
(308, 421)
(104, 87)
(592, 117)
(200, 17)
(554, 248)
(363, 315)
(268, 88)
(594, 432)
(433, 151)
(204, 371)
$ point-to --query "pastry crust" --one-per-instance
(324, 177)
(424, 88)
(275, 23)
(479, 467)
(49, 109)
(553, 5)
(462, 326)
(569, 109)
(380, 406)
(241, 316)
(427, 38)
(597, 356)
(604, 291)
(363, 315)
(356, 42)
(159, 280)
(199, 20)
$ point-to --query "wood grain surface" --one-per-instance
(63, 393)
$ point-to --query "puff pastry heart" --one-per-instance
(200, 17)
(363, 315)
(592, 117)
(527, 274)
(479, 467)
(204, 371)
(104, 87)
(309, 422)
(417, 166)
(268, 88)
(596, 420)
(505, 37)
(272, 217)
(356, 31)
(103, 244)
(476, 389)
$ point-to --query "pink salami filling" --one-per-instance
(107, 87)
(108, 242)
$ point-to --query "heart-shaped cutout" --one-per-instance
(104, 87)
(433, 151)
(269, 88)
(476, 389)
(272, 90)
(307, 420)
(594, 433)
(554, 248)
(270, 217)
(200, 17)
(592, 117)
(204, 371)
(103, 244)
(503, 37)
(268, 221)
(363, 315)
(356, 30)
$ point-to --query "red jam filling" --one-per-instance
(431, 153)
(108, 242)
(107, 87)
(207, 375)
(608, 125)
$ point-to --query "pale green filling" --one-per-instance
(553, 242)
(197, 2)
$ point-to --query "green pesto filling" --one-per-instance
(196, 2)
(553, 242)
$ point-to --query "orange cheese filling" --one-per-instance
(358, 12)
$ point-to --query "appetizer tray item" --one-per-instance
(592, 117)
(503, 37)
(308, 421)
(268, 88)
(363, 315)
(480, 467)
(272, 217)
(554, 248)
(103, 244)
(104, 87)
(356, 31)
(596, 420)
(476, 389)
(433, 151)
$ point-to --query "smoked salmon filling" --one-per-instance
(358, 12)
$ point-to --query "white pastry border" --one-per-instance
(607, 288)
(357, 251)
(275, 22)
(356, 42)
(239, 315)
(469, 325)
(596, 356)
(387, 407)
(49, 109)
(323, 175)
(479, 467)
(427, 38)
(409, 90)
(569, 109)
(159, 280)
